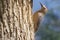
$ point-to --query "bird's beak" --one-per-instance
(43, 6)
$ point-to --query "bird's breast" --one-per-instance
(41, 15)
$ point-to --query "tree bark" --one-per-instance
(16, 20)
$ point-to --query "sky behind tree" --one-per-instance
(50, 4)
(53, 19)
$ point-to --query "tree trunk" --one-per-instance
(16, 20)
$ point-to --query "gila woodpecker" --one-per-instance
(38, 15)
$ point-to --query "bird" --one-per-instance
(38, 15)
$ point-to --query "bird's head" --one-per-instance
(43, 8)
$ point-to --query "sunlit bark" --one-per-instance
(16, 20)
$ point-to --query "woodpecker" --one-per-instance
(38, 15)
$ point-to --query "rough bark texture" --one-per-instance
(16, 20)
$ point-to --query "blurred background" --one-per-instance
(49, 29)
